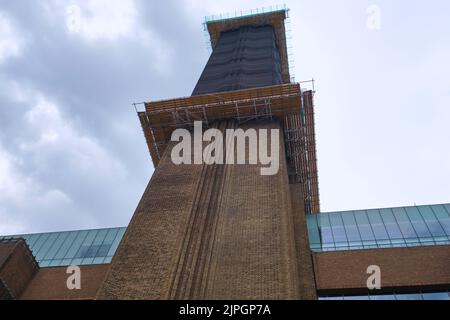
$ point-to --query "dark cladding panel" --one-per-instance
(243, 58)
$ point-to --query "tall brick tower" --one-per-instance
(226, 231)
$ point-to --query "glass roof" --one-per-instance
(73, 247)
(380, 228)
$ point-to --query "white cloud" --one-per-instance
(162, 53)
(20, 189)
(98, 19)
(11, 42)
(110, 20)
(27, 197)
(53, 134)
(19, 192)
(93, 19)
(12, 184)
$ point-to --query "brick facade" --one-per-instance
(51, 284)
(212, 232)
(400, 268)
(17, 268)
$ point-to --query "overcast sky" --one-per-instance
(72, 153)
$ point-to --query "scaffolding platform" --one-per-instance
(287, 103)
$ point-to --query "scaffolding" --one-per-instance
(301, 154)
(288, 103)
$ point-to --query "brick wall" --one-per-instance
(254, 256)
(17, 266)
(210, 232)
(400, 268)
(51, 284)
(304, 255)
(6, 248)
